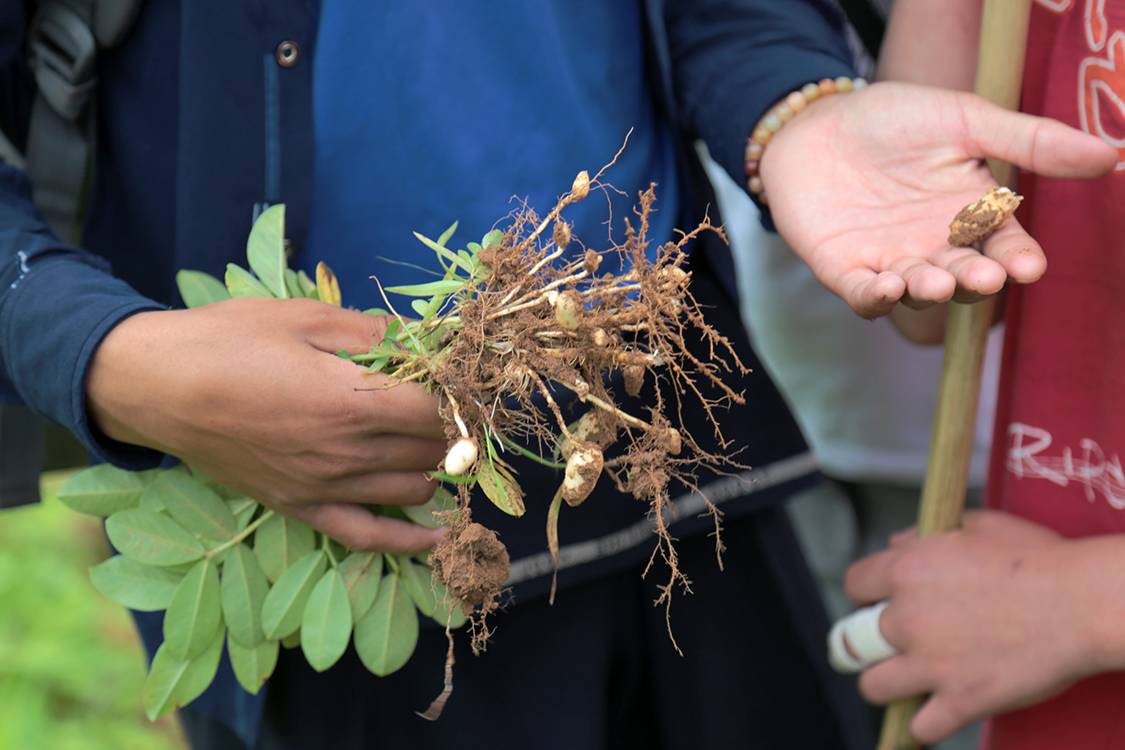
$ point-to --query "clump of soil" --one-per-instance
(473, 564)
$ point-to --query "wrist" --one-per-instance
(115, 394)
(775, 119)
(1102, 634)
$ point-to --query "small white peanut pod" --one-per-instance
(582, 471)
(461, 457)
(568, 310)
(581, 187)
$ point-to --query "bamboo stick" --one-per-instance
(1003, 45)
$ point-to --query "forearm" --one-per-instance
(1098, 581)
(56, 303)
(731, 63)
(933, 43)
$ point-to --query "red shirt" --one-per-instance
(1060, 421)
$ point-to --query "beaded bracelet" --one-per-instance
(782, 113)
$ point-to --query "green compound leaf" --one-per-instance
(135, 585)
(419, 580)
(361, 572)
(442, 252)
(253, 666)
(103, 490)
(195, 507)
(284, 605)
(281, 541)
(423, 515)
(444, 238)
(326, 625)
(198, 289)
(293, 284)
(242, 283)
(195, 614)
(293, 640)
(493, 238)
(429, 289)
(173, 683)
(243, 510)
(243, 589)
(386, 636)
(265, 250)
(308, 286)
(152, 538)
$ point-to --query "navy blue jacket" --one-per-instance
(198, 124)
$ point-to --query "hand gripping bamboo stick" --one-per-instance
(1003, 44)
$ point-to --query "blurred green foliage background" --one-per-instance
(71, 664)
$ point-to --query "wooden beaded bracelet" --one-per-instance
(782, 113)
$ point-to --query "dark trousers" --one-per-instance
(598, 670)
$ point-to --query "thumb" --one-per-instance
(1038, 144)
(332, 329)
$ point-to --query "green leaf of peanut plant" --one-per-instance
(386, 636)
(429, 289)
(194, 506)
(152, 538)
(284, 605)
(243, 589)
(253, 666)
(362, 572)
(198, 289)
(442, 252)
(308, 286)
(326, 626)
(195, 614)
(104, 489)
(293, 284)
(173, 682)
(243, 510)
(242, 283)
(265, 250)
(493, 238)
(419, 582)
(134, 585)
(281, 541)
(501, 488)
(444, 238)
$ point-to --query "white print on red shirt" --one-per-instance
(1096, 473)
(1101, 76)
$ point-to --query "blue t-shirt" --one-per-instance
(465, 115)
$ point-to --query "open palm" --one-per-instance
(864, 186)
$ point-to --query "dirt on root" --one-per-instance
(473, 564)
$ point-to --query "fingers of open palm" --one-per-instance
(868, 293)
(954, 272)
(1014, 249)
(357, 528)
(1038, 144)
